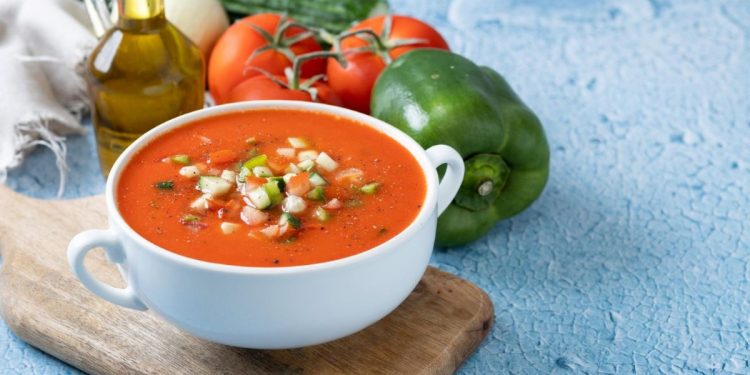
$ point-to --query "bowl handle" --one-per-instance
(454, 174)
(80, 246)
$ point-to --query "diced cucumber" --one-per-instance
(293, 204)
(321, 214)
(288, 177)
(370, 188)
(287, 218)
(214, 186)
(298, 142)
(326, 162)
(317, 180)
(280, 182)
(190, 171)
(286, 152)
(181, 159)
(316, 194)
(228, 175)
(306, 165)
(256, 161)
(273, 191)
(262, 172)
(244, 172)
(259, 198)
(229, 228)
(307, 155)
(293, 168)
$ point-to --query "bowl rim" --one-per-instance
(429, 206)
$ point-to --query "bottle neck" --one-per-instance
(141, 14)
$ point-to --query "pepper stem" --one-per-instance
(484, 179)
(485, 188)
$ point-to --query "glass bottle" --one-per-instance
(143, 72)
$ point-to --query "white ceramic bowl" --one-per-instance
(270, 308)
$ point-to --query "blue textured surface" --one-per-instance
(635, 259)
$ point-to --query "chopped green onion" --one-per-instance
(316, 194)
(321, 214)
(255, 161)
(181, 159)
(188, 218)
(317, 180)
(262, 172)
(273, 190)
(353, 203)
(165, 185)
(370, 188)
(291, 220)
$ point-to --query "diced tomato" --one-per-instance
(299, 185)
(202, 167)
(231, 210)
(214, 204)
(222, 157)
(277, 168)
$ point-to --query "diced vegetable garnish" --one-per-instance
(200, 204)
(214, 186)
(228, 175)
(259, 198)
(288, 177)
(274, 192)
(262, 172)
(271, 231)
(287, 218)
(353, 203)
(350, 175)
(321, 214)
(180, 159)
(252, 216)
(333, 204)
(279, 181)
(229, 228)
(316, 194)
(370, 188)
(188, 218)
(293, 204)
(164, 185)
(326, 163)
(306, 165)
(307, 155)
(255, 161)
(221, 157)
(297, 142)
(250, 141)
(293, 169)
(298, 185)
(317, 180)
(189, 171)
(286, 152)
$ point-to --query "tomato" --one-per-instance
(229, 63)
(263, 87)
(354, 83)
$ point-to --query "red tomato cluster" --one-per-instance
(254, 59)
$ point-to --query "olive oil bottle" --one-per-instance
(143, 72)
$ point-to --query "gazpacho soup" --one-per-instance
(271, 188)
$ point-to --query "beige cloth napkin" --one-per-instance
(43, 44)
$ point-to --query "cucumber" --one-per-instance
(214, 186)
(332, 15)
(317, 180)
(274, 192)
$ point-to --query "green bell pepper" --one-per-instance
(438, 97)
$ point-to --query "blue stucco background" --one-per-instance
(635, 258)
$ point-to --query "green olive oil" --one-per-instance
(143, 72)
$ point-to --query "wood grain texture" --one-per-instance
(432, 332)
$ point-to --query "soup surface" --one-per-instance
(271, 188)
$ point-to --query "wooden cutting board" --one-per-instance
(433, 331)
